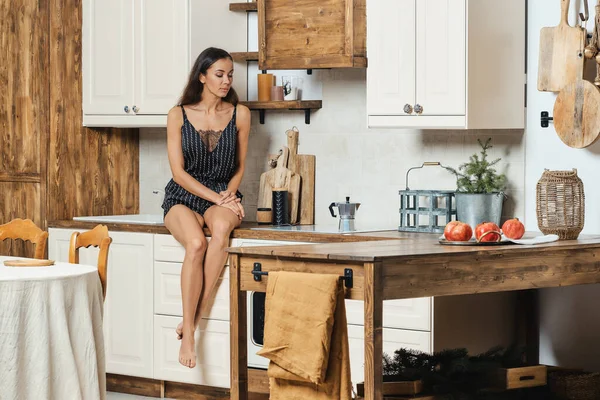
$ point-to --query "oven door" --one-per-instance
(256, 328)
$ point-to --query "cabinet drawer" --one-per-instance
(166, 248)
(393, 339)
(167, 292)
(212, 353)
(414, 314)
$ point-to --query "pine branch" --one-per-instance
(478, 175)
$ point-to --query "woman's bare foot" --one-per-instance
(179, 330)
(187, 351)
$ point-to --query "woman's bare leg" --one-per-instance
(185, 226)
(221, 222)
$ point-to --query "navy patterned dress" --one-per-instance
(213, 168)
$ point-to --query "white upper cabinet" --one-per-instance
(137, 55)
(391, 72)
(135, 60)
(107, 56)
(446, 64)
(161, 53)
(440, 57)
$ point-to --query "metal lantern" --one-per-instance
(426, 210)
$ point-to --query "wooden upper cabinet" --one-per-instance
(306, 34)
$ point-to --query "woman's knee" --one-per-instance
(221, 227)
(220, 230)
(196, 247)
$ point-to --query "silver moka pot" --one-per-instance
(346, 212)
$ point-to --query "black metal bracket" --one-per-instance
(309, 72)
(306, 116)
(545, 118)
(348, 276)
(261, 114)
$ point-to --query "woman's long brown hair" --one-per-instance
(192, 93)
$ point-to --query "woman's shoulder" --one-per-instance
(175, 115)
(242, 112)
(176, 111)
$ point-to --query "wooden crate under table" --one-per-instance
(523, 377)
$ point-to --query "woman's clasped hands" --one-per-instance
(228, 199)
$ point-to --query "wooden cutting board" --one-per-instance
(304, 165)
(561, 53)
(28, 263)
(576, 116)
(280, 177)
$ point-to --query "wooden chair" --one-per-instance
(97, 237)
(25, 229)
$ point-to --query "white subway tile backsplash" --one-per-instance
(367, 164)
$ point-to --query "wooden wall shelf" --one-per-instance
(245, 56)
(306, 105)
(248, 7)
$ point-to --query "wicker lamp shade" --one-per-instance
(560, 204)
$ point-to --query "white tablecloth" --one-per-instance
(51, 342)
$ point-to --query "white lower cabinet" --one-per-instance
(393, 339)
(128, 307)
(413, 314)
(167, 292)
(59, 241)
(143, 308)
(212, 353)
(128, 340)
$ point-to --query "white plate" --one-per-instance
(536, 240)
(529, 241)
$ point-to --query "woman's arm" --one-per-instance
(243, 125)
(175, 152)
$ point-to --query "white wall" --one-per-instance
(569, 316)
(367, 165)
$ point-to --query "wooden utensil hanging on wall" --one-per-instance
(576, 116)
(561, 53)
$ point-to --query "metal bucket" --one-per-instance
(475, 208)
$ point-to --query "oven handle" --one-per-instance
(347, 277)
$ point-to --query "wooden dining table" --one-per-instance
(411, 266)
(51, 339)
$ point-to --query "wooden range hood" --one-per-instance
(306, 34)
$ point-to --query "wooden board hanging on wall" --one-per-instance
(561, 58)
(576, 116)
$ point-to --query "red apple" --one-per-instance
(457, 231)
(482, 235)
(513, 229)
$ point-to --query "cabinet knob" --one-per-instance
(418, 109)
(408, 109)
(135, 109)
(126, 109)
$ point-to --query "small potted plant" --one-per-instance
(480, 189)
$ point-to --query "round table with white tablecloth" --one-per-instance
(51, 342)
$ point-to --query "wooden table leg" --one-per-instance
(237, 332)
(373, 297)
(528, 324)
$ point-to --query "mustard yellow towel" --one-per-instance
(306, 337)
